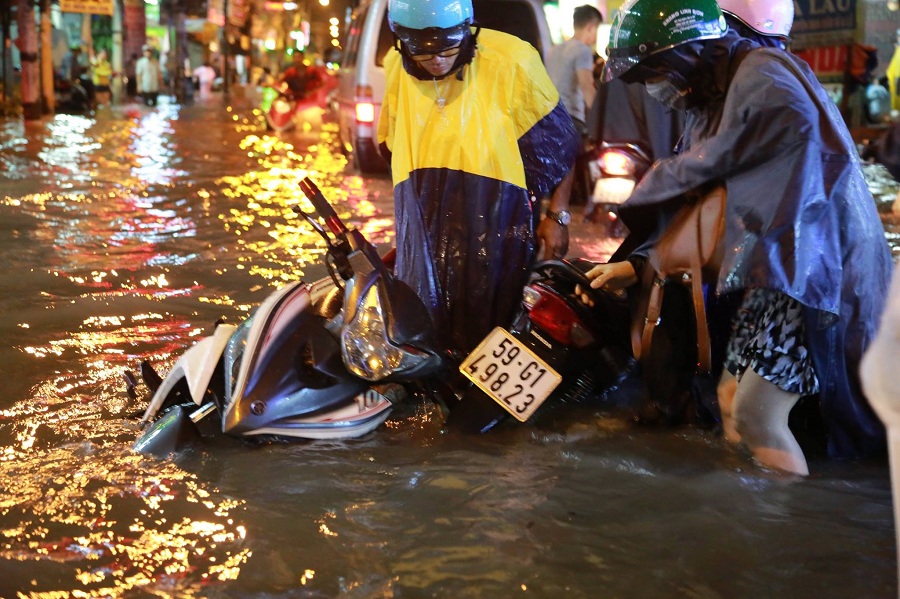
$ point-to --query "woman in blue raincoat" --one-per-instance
(475, 132)
(805, 248)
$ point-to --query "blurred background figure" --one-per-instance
(148, 76)
(131, 76)
(101, 72)
(205, 75)
(893, 74)
(571, 65)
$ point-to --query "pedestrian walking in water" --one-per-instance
(148, 77)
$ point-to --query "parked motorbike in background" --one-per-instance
(313, 361)
(72, 97)
(615, 169)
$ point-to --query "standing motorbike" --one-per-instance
(315, 360)
(614, 169)
(279, 107)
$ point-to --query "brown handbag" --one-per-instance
(689, 252)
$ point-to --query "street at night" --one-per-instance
(127, 234)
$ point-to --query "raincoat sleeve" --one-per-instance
(780, 155)
(548, 140)
(774, 119)
(387, 119)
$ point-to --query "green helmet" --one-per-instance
(646, 27)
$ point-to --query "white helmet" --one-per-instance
(766, 17)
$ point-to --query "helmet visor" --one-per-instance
(433, 40)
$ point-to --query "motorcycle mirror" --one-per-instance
(170, 433)
(312, 192)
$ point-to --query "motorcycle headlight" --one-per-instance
(281, 106)
(617, 163)
(367, 350)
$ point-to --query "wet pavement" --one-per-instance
(125, 235)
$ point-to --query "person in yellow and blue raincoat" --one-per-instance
(474, 131)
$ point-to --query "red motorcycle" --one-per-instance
(281, 106)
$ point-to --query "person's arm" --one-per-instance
(586, 83)
(552, 235)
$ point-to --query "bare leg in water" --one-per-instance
(757, 414)
(725, 391)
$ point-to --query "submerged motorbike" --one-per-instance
(330, 359)
(615, 169)
(315, 360)
(557, 349)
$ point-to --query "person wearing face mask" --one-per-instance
(805, 253)
(474, 131)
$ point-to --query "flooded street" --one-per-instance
(126, 235)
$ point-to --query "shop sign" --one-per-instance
(93, 7)
(828, 21)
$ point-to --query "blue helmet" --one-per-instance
(428, 26)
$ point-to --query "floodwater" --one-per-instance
(125, 235)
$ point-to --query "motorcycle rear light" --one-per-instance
(552, 315)
(617, 163)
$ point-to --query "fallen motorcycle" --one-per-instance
(322, 360)
(557, 349)
(313, 361)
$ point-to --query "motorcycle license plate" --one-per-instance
(510, 373)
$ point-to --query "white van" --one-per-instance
(357, 99)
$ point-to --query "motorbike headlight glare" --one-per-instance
(367, 350)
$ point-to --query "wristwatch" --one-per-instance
(563, 217)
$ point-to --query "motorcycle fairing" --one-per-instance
(352, 419)
(283, 364)
(196, 367)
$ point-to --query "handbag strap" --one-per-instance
(704, 357)
(651, 307)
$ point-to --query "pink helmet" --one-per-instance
(766, 17)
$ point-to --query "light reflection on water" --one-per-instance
(155, 235)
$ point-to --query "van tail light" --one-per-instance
(554, 316)
(365, 112)
(365, 108)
